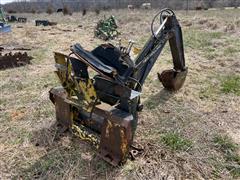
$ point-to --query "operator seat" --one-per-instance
(104, 59)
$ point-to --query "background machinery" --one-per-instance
(106, 28)
(3, 25)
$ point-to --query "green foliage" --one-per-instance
(224, 143)
(202, 42)
(227, 84)
(196, 39)
(231, 84)
(2, 16)
(229, 150)
(208, 92)
(106, 29)
(176, 142)
(230, 51)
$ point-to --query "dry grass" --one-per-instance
(31, 145)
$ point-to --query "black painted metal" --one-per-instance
(171, 31)
(118, 85)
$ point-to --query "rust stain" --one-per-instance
(124, 141)
(108, 129)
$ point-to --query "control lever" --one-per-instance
(119, 43)
(122, 48)
(125, 50)
(130, 45)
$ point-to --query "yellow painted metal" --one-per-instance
(124, 142)
(79, 131)
(59, 58)
(136, 51)
(72, 85)
(83, 87)
(88, 91)
(63, 72)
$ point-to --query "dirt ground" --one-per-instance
(191, 134)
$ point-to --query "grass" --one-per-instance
(29, 147)
(54, 162)
(230, 50)
(231, 84)
(227, 84)
(176, 142)
(224, 143)
(208, 92)
(201, 40)
(229, 149)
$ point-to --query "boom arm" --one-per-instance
(103, 109)
(169, 30)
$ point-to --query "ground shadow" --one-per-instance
(160, 98)
(66, 157)
(48, 136)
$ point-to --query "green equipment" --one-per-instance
(3, 26)
(106, 29)
(2, 15)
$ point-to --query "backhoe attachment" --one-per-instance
(102, 107)
(172, 80)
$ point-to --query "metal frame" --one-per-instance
(104, 109)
